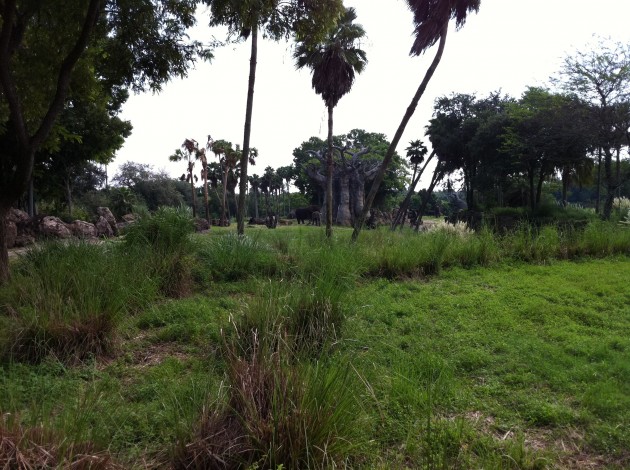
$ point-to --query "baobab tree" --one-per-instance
(431, 19)
(334, 62)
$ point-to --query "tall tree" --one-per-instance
(431, 18)
(275, 20)
(334, 62)
(134, 44)
(602, 77)
(415, 153)
(189, 154)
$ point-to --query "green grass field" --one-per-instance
(478, 361)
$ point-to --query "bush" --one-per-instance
(25, 448)
(277, 415)
(164, 239)
(67, 299)
(233, 257)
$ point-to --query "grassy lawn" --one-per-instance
(502, 365)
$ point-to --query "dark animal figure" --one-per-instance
(305, 213)
(271, 221)
(317, 218)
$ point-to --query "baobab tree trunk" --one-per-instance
(240, 221)
(343, 210)
(399, 132)
(329, 175)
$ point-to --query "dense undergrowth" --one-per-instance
(284, 348)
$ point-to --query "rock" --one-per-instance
(129, 218)
(109, 217)
(17, 216)
(82, 229)
(23, 240)
(201, 225)
(54, 227)
(11, 234)
(103, 228)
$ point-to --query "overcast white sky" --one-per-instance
(508, 45)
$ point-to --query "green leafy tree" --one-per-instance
(275, 20)
(601, 77)
(43, 45)
(431, 19)
(334, 62)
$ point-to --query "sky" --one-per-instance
(508, 46)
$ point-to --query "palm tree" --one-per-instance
(227, 159)
(275, 20)
(254, 182)
(192, 149)
(334, 62)
(431, 18)
(415, 153)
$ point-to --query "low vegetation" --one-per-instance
(444, 349)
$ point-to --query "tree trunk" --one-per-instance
(224, 199)
(240, 222)
(68, 191)
(205, 197)
(399, 132)
(599, 180)
(343, 209)
(256, 203)
(566, 172)
(4, 252)
(610, 184)
(404, 206)
(541, 180)
(329, 175)
(532, 194)
(437, 176)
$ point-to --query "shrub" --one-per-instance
(67, 299)
(22, 448)
(231, 257)
(277, 415)
(164, 240)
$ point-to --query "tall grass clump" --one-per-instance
(302, 317)
(36, 447)
(232, 257)
(533, 244)
(164, 239)
(395, 255)
(277, 414)
(67, 300)
(603, 239)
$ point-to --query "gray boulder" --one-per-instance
(54, 227)
(107, 215)
(103, 228)
(82, 229)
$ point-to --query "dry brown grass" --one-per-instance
(38, 448)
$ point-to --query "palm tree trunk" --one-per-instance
(401, 128)
(437, 176)
(329, 175)
(404, 206)
(240, 223)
